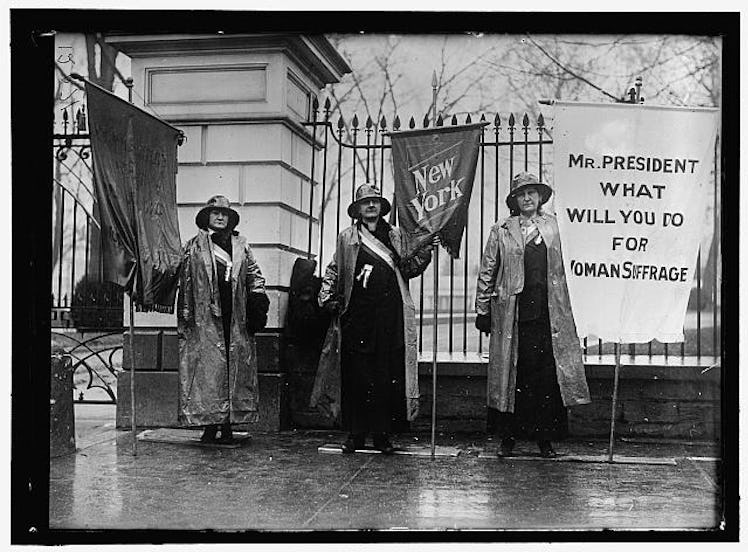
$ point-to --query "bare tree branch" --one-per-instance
(575, 75)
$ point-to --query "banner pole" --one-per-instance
(434, 88)
(433, 359)
(129, 84)
(614, 402)
(132, 377)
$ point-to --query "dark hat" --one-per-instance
(526, 180)
(221, 203)
(364, 192)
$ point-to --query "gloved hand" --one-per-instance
(257, 312)
(430, 245)
(483, 323)
(333, 307)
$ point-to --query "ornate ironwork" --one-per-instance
(89, 310)
(97, 360)
(64, 143)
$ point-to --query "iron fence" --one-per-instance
(86, 313)
(347, 153)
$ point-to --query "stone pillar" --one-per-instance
(240, 101)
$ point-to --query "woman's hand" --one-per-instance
(435, 241)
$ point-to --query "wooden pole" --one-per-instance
(614, 402)
(129, 85)
(433, 359)
(436, 301)
(132, 376)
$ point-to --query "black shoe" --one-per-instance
(507, 446)
(383, 444)
(546, 449)
(209, 435)
(353, 443)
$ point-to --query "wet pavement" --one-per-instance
(281, 482)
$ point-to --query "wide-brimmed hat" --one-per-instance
(364, 192)
(526, 180)
(220, 203)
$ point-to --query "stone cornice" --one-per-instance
(313, 53)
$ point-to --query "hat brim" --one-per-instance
(203, 216)
(544, 190)
(353, 207)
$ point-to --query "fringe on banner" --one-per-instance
(165, 309)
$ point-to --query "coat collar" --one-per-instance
(542, 221)
(237, 253)
(512, 225)
(203, 237)
(353, 237)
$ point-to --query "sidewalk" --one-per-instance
(281, 482)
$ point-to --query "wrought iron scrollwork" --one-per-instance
(64, 144)
(97, 360)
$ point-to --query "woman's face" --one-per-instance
(217, 220)
(528, 201)
(370, 208)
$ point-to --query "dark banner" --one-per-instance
(434, 171)
(135, 165)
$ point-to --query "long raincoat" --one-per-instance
(338, 281)
(500, 280)
(213, 390)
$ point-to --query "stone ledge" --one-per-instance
(156, 401)
(639, 367)
(679, 401)
(157, 350)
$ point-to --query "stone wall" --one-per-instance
(673, 402)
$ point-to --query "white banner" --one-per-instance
(630, 183)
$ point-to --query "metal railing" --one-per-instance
(347, 153)
(86, 314)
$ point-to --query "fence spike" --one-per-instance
(425, 121)
(525, 121)
(383, 123)
(468, 119)
(511, 120)
(412, 122)
(84, 121)
(454, 119)
(439, 121)
(396, 123)
(354, 122)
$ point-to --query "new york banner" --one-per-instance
(434, 171)
(631, 186)
(135, 165)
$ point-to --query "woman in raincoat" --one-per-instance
(535, 368)
(369, 361)
(221, 304)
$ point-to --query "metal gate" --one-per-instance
(348, 153)
(87, 313)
